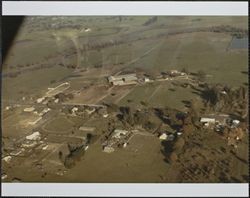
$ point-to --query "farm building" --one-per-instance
(39, 100)
(215, 119)
(59, 89)
(146, 80)
(108, 149)
(84, 128)
(123, 79)
(44, 111)
(206, 121)
(163, 136)
(34, 136)
(29, 109)
(34, 121)
(176, 73)
(221, 119)
(118, 133)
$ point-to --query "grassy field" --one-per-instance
(195, 51)
(60, 124)
(32, 83)
(160, 94)
(199, 51)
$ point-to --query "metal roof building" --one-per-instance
(123, 79)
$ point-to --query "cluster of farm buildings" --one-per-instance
(119, 137)
(130, 79)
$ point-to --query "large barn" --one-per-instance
(123, 79)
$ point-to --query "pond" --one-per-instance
(239, 43)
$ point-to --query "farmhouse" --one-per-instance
(126, 79)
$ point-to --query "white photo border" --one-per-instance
(88, 8)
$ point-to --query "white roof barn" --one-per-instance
(123, 79)
(207, 120)
(34, 136)
(29, 109)
(163, 136)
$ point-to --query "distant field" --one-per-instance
(159, 95)
(200, 51)
(31, 52)
(193, 51)
(32, 83)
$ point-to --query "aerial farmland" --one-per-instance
(127, 99)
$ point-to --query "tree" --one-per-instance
(149, 125)
(152, 73)
(69, 162)
(60, 154)
(201, 75)
(173, 157)
(211, 94)
(112, 108)
(193, 111)
(140, 118)
(127, 115)
(144, 103)
(184, 70)
(187, 119)
(70, 96)
(179, 144)
(52, 81)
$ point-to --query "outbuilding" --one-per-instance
(207, 120)
(108, 149)
(163, 136)
(29, 109)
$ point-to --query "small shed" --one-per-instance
(163, 136)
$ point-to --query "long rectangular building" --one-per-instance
(125, 79)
